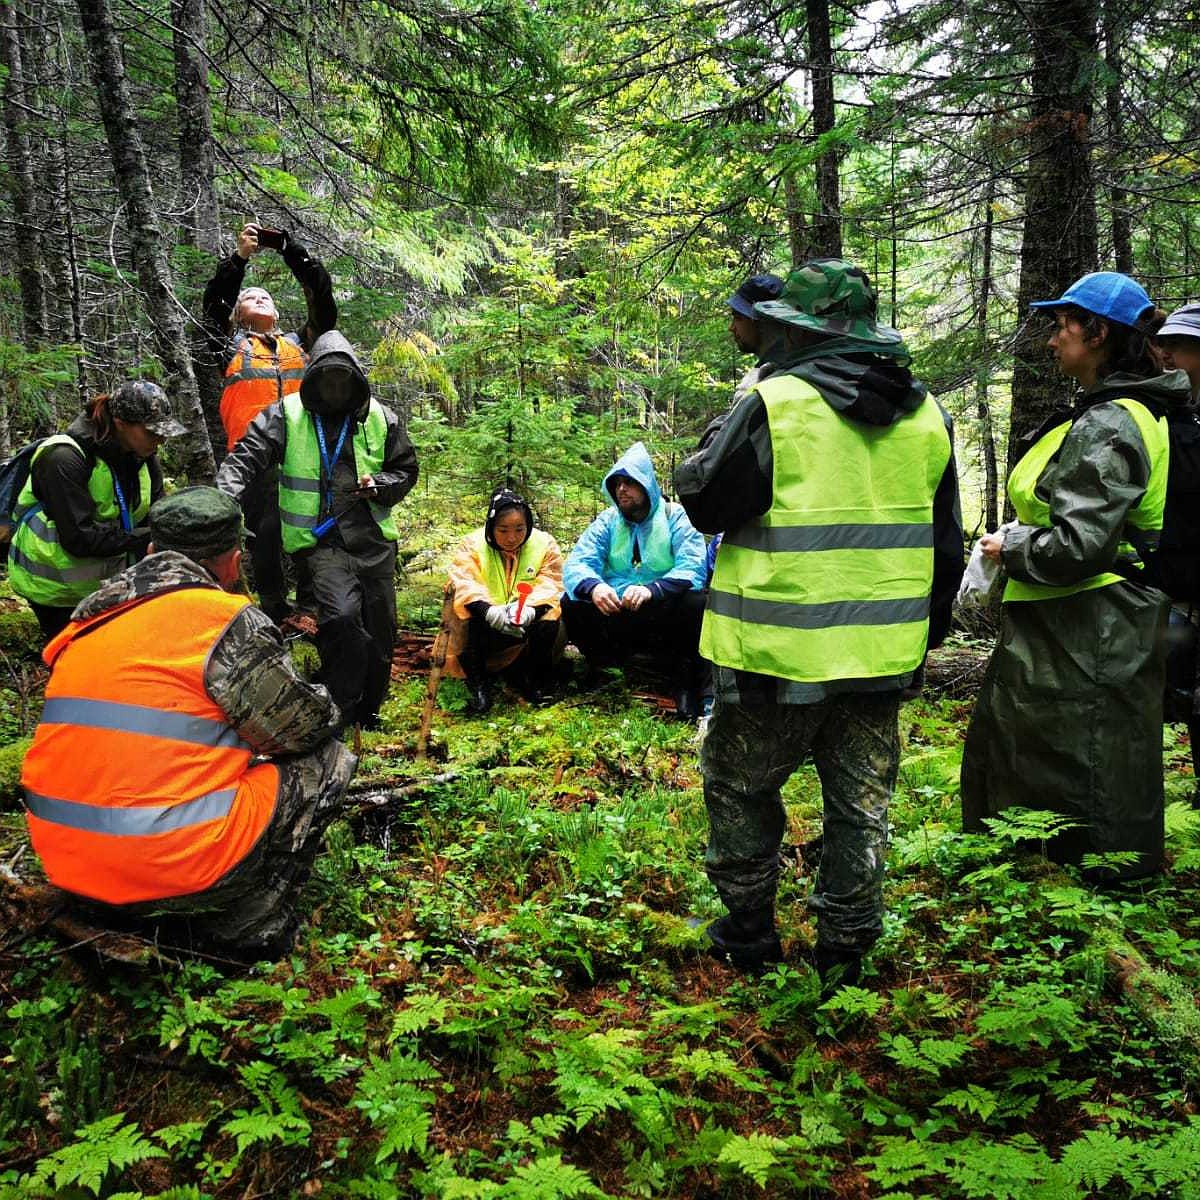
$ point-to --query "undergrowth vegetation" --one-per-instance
(500, 992)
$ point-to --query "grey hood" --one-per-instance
(332, 349)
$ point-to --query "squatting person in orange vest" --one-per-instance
(181, 765)
(261, 366)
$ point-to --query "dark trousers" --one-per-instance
(667, 630)
(537, 656)
(260, 505)
(356, 628)
(51, 620)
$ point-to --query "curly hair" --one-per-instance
(1127, 350)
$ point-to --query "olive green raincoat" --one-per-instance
(1070, 714)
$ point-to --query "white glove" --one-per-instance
(528, 614)
(497, 617)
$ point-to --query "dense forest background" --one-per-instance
(533, 214)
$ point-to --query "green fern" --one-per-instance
(930, 1056)
(756, 1155)
(1031, 1013)
(103, 1146)
(390, 1095)
(549, 1178)
(423, 1010)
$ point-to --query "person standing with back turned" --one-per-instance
(834, 482)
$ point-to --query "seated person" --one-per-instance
(507, 578)
(634, 582)
(181, 765)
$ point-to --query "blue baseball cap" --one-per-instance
(1108, 294)
(754, 290)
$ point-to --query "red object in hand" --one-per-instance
(523, 590)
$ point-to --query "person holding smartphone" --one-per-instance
(261, 365)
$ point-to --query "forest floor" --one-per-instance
(500, 990)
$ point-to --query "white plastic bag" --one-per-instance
(983, 575)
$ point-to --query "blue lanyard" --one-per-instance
(126, 523)
(328, 461)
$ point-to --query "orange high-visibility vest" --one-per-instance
(137, 787)
(258, 374)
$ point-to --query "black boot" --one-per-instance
(479, 698)
(837, 966)
(747, 940)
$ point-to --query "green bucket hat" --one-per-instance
(828, 295)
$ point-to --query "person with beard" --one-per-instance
(344, 463)
(834, 483)
(634, 582)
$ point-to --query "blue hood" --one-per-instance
(635, 463)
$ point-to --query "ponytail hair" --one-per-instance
(100, 417)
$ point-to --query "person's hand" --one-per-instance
(991, 544)
(636, 596)
(497, 617)
(366, 483)
(606, 599)
(528, 614)
(248, 241)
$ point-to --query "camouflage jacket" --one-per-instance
(249, 673)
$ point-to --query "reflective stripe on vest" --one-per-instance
(300, 492)
(501, 586)
(258, 375)
(136, 785)
(656, 556)
(1030, 509)
(833, 581)
(39, 568)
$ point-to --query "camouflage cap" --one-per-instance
(145, 403)
(200, 522)
(828, 295)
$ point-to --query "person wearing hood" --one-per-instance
(634, 582)
(1069, 717)
(181, 766)
(507, 578)
(344, 463)
(834, 483)
(82, 510)
(261, 364)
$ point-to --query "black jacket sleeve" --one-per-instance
(60, 481)
(400, 468)
(260, 449)
(220, 296)
(729, 480)
(315, 280)
(948, 547)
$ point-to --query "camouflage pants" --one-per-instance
(750, 750)
(251, 908)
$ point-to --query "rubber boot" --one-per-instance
(837, 966)
(747, 940)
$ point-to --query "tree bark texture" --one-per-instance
(1059, 240)
(21, 176)
(197, 159)
(827, 225)
(1118, 198)
(146, 240)
(987, 436)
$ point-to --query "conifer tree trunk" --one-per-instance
(21, 186)
(196, 157)
(198, 192)
(146, 240)
(1059, 242)
(827, 225)
(1122, 236)
(987, 437)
